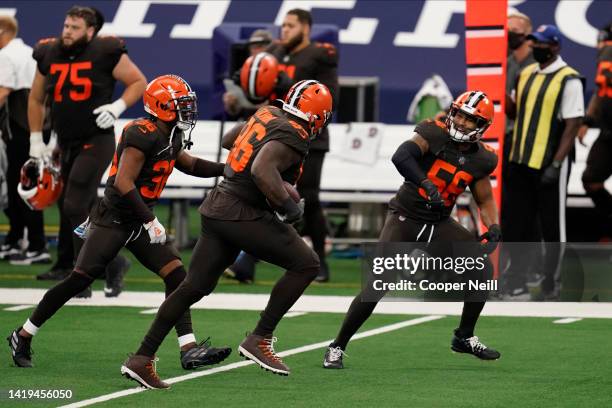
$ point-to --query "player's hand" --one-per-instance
(551, 174)
(493, 237)
(38, 148)
(291, 212)
(582, 131)
(157, 232)
(435, 202)
(108, 114)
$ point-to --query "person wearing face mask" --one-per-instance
(547, 105)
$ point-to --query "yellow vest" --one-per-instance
(537, 129)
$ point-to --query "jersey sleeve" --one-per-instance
(434, 132)
(113, 48)
(39, 53)
(136, 136)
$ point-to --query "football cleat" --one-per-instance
(115, 271)
(26, 258)
(333, 358)
(260, 349)
(8, 250)
(20, 349)
(56, 274)
(143, 370)
(473, 346)
(84, 294)
(203, 354)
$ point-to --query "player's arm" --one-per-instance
(36, 115)
(591, 118)
(228, 139)
(134, 80)
(130, 165)
(4, 93)
(274, 158)
(483, 195)
(407, 156)
(197, 167)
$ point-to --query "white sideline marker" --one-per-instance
(294, 314)
(286, 353)
(149, 311)
(18, 308)
(568, 320)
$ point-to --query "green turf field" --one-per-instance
(543, 364)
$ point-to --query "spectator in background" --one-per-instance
(17, 69)
(599, 114)
(547, 104)
(302, 59)
(258, 42)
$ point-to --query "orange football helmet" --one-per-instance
(258, 76)
(311, 101)
(40, 184)
(170, 98)
(478, 107)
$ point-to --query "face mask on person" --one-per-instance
(515, 40)
(542, 55)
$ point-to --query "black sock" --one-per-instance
(170, 313)
(357, 314)
(469, 317)
(172, 281)
(58, 295)
(285, 293)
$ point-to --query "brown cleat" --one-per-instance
(260, 349)
(142, 370)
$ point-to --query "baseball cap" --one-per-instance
(546, 33)
(260, 36)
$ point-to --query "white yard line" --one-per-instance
(568, 320)
(295, 314)
(149, 311)
(18, 308)
(286, 353)
(325, 304)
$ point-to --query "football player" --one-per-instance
(303, 59)
(251, 210)
(437, 164)
(599, 114)
(77, 72)
(148, 151)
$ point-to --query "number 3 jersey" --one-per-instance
(160, 157)
(237, 197)
(450, 169)
(77, 82)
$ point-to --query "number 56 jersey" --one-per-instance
(160, 157)
(450, 169)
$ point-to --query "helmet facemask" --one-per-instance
(472, 136)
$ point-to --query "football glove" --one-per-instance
(493, 237)
(157, 232)
(435, 202)
(291, 212)
(38, 148)
(108, 114)
(82, 230)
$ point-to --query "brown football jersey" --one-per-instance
(604, 86)
(450, 169)
(237, 197)
(160, 157)
(77, 82)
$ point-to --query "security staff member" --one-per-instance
(548, 106)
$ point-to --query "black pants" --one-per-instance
(19, 214)
(309, 186)
(598, 170)
(82, 168)
(527, 204)
(219, 244)
(399, 228)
